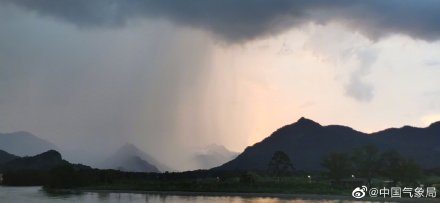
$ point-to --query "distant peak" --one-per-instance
(50, 153)
(302, 119)
(129, 149)
(215, 148)
(306, 121)
(129, 146)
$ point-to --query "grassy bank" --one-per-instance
(191, 181)
(291, 185)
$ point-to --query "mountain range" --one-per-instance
(131, 158)
(127, 158)
(44, 161)
(307, 142)
(24, 144)
(211, 156)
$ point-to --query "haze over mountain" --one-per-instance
(129, 163)
(24, 144)
(213, 155)
(128, 157)
(131, 158)
(307, 142)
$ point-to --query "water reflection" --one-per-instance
(103, 196)
(36, 194)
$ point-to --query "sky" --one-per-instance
(175, 76)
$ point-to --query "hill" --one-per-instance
(5, 157)
(41, 162)
(130, 158)
(24, 144)
(307, 142)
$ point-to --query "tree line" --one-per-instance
(368, 162)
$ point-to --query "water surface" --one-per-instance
(36, 194)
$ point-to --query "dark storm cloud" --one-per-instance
(248, 19)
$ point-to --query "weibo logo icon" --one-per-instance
(359, 192)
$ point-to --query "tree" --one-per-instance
(366, 162)
(63, 177)
(411, 172)
(391, 161)
(248, 178)
(280, 165)
(338, 165)
(399, 169)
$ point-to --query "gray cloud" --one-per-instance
(248, 19)
(357, 88)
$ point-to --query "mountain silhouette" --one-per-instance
(130, 158)
(5, 157)
(135, 164)
(24, 144)
(306, 142)
(44, 161)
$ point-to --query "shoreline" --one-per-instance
(285, 196)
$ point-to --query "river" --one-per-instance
(36, 194)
